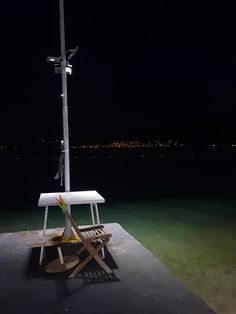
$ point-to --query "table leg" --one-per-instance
(60, 255)
(97, 213)
(92, 214)
(43, 236)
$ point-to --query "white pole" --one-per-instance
(68, 231)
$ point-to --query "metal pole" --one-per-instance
(68, 231)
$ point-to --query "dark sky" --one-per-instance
(144, 69)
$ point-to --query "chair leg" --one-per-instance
(102, 264)
(96, 256)
(80, 251)
(80, 267)
(93, 254)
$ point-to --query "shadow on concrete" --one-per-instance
(91, 274)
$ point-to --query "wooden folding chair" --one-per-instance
(87, 236)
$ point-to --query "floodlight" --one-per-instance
(57, 68)
(69, 68)
(54, 59)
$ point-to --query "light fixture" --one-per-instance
(54, 59)
(58, 61)
(69, 68)
(57, 68)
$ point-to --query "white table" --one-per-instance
(71, 198)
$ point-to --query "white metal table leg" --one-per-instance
(60, 255)
(92, 214)
(97, 213)
(43, 235)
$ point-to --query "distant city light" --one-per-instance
(165, 145)
(134, 144)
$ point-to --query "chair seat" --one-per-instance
(95, 232)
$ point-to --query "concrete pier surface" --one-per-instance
(139, 284)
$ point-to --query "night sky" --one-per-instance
(144, 69)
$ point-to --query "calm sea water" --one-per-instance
(124, 178)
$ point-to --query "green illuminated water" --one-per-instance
(184, 212)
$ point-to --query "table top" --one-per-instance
(70, 198)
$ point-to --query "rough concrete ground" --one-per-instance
(139, 283)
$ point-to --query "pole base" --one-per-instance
(55, 266)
